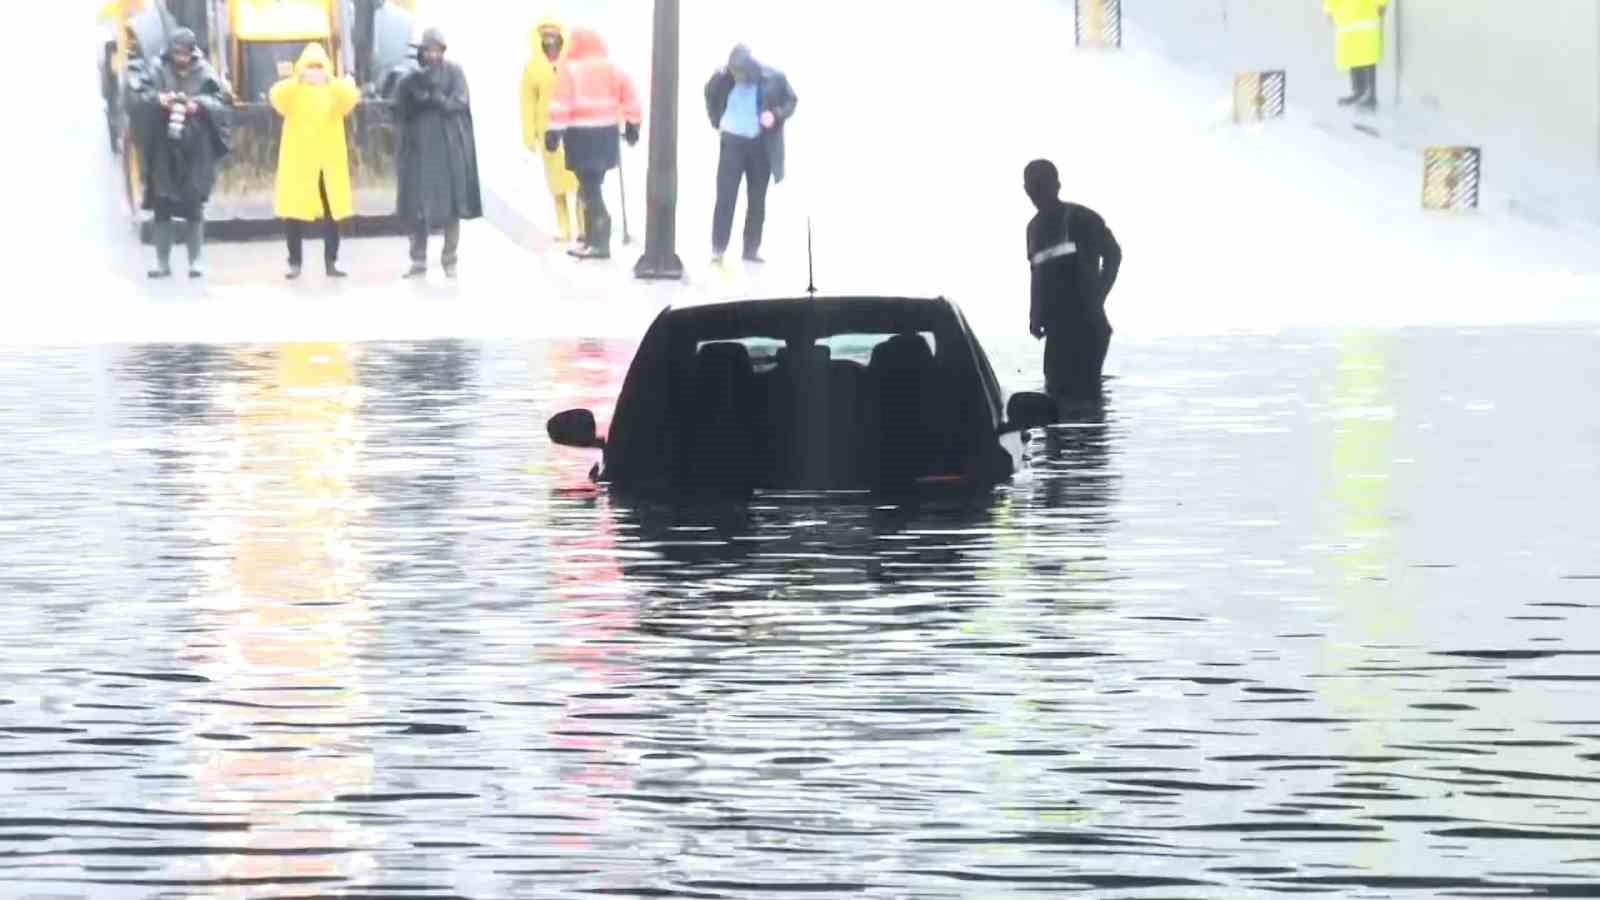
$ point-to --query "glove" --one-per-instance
(631, 133)
(552, 141)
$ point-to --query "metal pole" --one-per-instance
(660, 260)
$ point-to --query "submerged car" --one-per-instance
(845, 393)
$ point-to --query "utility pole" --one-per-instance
(660, 260)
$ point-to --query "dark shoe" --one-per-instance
(416, 271)
(335, 272)
(160, 272)
(292, 274)
(196, 270)
(589, 253)
(1350, 100)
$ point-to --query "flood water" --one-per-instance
(1306, 613)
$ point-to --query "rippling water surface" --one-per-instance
(1315, 613)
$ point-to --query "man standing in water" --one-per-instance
(1075, 260)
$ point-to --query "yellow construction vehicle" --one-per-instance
(252, 44)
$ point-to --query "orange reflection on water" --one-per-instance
(581, 374)
(584, 580)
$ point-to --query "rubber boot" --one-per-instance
(1367, 96)
(563, 220)
(1355, 89)
(161, 233)
(197, 246)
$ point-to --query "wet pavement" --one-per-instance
(1304, 613)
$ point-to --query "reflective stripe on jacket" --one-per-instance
(1358, 31)
(591, 92)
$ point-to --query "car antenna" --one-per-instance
(811, 264)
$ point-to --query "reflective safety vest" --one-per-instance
(591, 92)
(1358, 26)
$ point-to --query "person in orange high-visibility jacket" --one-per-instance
(593, 99)
(1358, 46)
(538, 90)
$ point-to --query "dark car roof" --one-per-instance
(779, 315)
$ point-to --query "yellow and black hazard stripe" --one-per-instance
(1451, 178)
(1099, 23)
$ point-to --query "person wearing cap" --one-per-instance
(1074, 259)
(538, 90)
(313, 181)
(594, 98)
(186, 114)
(749, 105)
(438, 158)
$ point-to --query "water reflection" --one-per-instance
(329, 619)
(279, 622)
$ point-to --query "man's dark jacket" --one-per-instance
(774, 96)
(179, 174)
(1075, 260)
(438, 155)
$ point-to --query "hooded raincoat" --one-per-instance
(313, 149)
(538, 90)
(593, 99)
(438, 155)
(774, 95)
(179, 173)
(1358, 26)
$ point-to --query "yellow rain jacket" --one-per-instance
(1359, 31)
(538, 89)
(313, 141)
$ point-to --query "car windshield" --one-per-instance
(822, 396)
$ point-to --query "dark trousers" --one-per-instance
(596, 219)
(166, 232)
(295, 232)
(741, 159)
(1364, 82)
(421, 226)
(1074, 357)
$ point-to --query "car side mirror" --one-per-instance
(574, 428)
(1029, 409)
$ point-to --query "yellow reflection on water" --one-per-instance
(1362, 476)
(282, 615)
(1368, 613)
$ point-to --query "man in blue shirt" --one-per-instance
(748, 103)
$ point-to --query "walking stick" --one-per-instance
(622, 186)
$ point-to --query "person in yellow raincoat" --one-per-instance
(538, 89)
(1358, 46)
(313, 181)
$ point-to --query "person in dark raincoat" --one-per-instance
(749, 105)
(1075, 260)
(438, 156)
(186, 121)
